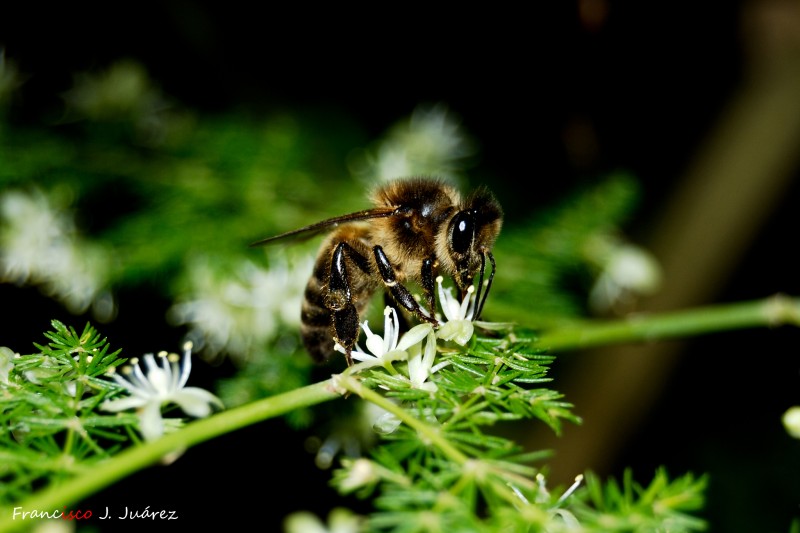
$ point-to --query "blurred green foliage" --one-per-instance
(147, 194)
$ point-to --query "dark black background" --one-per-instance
(651, 80)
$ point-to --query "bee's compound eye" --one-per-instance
(462, 232)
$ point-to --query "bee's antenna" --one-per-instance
(477, 311)
(481, 301)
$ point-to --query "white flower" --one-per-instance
(791, 421)
(161, 385)
(543, 497)
(627, 272)
(340, 520)
(458, 326)
(386, 423)
(360, 473)
(420, 365)
(6, 362)
(391, 346)
(430, 141)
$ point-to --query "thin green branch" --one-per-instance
(427, 431)
(769, 312)
(472, 468)
(134, 459)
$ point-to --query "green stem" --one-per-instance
(432, 435)
(466, 409)
(428, 432)
(769, 312)
(134, 459)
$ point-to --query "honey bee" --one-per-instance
(417, 229)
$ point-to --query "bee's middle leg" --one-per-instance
(399, 292)
(427, 285)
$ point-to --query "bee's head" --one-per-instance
(471, 233)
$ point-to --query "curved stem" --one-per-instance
(134, 459)
(427, 431)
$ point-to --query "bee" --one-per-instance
(417, 229)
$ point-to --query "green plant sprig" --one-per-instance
(70, 481)
(441, 451)
(146, 454)
(50, 429)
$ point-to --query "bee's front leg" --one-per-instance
(428, 284)
(401, 294)
(339, 298)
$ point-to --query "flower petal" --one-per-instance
(428, 386)
(466, 309)
(195, 401)
(386, 423)
(375, 345)
(130, 386)
(390, 329)
(362, 356)
(430, 350)
(160, 380)
(419, 364)
(447, 301)
(150, 422)
(186, 367)
(121, 404)
(414, 336)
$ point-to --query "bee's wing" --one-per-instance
(326, 225)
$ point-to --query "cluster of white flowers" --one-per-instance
(39, 246)
(430, 142)
(390, 346)
(160, 385)
(233, 314)
(456, 326)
